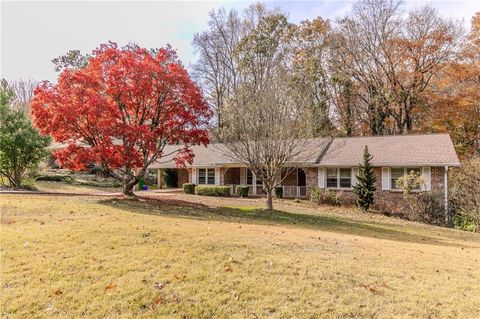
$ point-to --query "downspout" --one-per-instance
(445, 179)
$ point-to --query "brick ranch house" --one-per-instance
(333, 165)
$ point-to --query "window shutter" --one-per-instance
(386, 178)
(321, 177)
(427, 176)
(217, 175)
(355, 172)
(194, 176)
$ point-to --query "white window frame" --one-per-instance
(338, 177)
(254, 176)
(207, 171)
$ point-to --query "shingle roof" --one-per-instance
(217, 154)
(393, 150)
(390, 150)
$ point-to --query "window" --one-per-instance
(201, 176)
(339, 177)
(249, 177)
(206, 176)
(345, 177)
(211, 176)
(398, 172)
(332, 177)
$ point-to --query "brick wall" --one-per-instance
(183, 176)
(392, 201)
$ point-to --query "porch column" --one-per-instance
(254, 184)
(160, 178)
(445, 186)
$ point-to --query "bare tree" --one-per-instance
(265, 119)
(216, 69)
(23, 91)
(392, 57)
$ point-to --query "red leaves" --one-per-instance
(125, 105)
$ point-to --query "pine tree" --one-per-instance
(365, 186)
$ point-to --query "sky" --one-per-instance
(35, 32)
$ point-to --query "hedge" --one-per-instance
(242, 191)
(188, 188)
(212, 190)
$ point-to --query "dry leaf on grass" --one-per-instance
(110, 286)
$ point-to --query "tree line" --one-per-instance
(377, 71)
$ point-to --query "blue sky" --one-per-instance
(33, 33)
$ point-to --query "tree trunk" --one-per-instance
(16, 181)
(269, 200)
(128, 187)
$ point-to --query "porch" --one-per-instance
(296, 182)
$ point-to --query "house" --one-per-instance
(332, 164)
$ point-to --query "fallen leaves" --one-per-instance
(110, 286)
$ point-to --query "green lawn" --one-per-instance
(195, 257)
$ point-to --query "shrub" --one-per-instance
(465, 194)
(464, 222)
(279, 192)
(28, 184)
(319, 196)
(188, 188)
(242, 191)
(206, 190)
(427, 207)
(94, 183)
(55, 178)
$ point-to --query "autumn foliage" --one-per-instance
(121, 109)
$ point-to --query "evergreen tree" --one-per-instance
(365, 186)
(22, 148)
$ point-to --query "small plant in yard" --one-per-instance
(464, 222)
(212, 190)
(319, 196)
(242, 191)
(365, 186)
(189, 188)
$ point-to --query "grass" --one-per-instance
(196, 257)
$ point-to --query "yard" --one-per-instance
(175, 255)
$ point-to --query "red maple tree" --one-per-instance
(121, 110)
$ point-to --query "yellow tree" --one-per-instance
(455, 96)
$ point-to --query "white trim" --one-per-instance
(445, 186)
(194, 176)
(386, 180)
(217, 175)
(355, 172)
(321, 177)
(427, 176)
